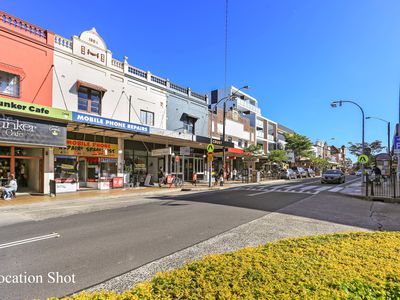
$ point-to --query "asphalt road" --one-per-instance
(94, 247)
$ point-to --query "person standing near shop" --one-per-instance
(234, 174)
(160, 176)
(22, 173)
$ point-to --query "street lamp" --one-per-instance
(334, 104)
(388, 130)
(225, 99)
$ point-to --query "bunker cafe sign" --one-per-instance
(88, 149)
(17, 129)
(15, 106)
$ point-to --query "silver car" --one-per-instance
(333, 176)
(288, 174)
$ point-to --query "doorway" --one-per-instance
(82, 172)
(26, 173)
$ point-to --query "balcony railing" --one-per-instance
(246, 105)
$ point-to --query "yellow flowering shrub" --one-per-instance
(338, 266)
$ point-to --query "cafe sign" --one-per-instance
(36, 110)
(28, 131)
(88, 149)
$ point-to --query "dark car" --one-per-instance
(310, 172)
(333, 176)
(288, 174)
(300, 172)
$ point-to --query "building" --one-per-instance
(29, 126)
(132, 121)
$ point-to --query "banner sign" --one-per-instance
(34, 109)
(161, 152)
(206, 140)
(104, 122)
(88, 149)
(396, 144)
(28, 131)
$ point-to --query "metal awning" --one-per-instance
(92, 86)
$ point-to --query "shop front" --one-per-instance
(86, 165)
(24, 148)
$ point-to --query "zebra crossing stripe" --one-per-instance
(260, 193)
(308, 187)
(293, 187)
(336, 189)
(323, 188)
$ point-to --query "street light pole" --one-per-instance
(340, 102)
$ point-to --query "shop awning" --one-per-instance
(235, 150)
(92, 86)
(12, 69)
(186, 116)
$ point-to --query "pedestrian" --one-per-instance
(221, 176)
(234, 173)
(194, 178)
(160, 176)
(378, 174)
(10, 188)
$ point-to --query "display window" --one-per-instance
(65, 169)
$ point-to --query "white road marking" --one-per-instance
(30, 240)
(293, 187)
(308, 187)
(260, 193)
(322, 188)
(336, 189)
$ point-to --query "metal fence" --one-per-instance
(382, 186)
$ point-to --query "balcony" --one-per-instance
(259, 124)
(260, 134)
(243, 105)
(270, 137)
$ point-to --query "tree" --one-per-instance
(320, 163)
(299, 144)
(277, 156)
(371, 149)
(254, 149)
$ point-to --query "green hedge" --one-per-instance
(338, 266)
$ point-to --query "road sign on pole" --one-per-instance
(363, 159)
(210, 157)
(396, 144)
(210, 148)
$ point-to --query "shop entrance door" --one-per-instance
(82, 174)
(28, 173)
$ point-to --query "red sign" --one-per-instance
(177, 158)
(170, 179)
(117, 182)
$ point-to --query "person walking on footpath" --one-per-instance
(160, 176)
(234, 174)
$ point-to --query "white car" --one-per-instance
(359, 173)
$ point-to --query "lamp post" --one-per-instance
(388, 131)
(334, 104)
(225, 99)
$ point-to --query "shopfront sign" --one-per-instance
(17, 129)
(184, 151)
(161, 152)
(88, 149)
(110, 123)
(206, 140)
(16, 106)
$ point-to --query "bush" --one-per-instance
(338, 266)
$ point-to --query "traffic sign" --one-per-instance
(210, 157)
(210, 148)
(362, 159)
(396, 144)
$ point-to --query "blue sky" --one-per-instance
(297, 56)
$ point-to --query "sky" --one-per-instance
(297, 56)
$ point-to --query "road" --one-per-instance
(93, 247)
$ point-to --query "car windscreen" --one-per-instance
(332, 172)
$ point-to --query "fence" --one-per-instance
(382, 186)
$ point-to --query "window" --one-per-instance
(147, 117)
(9, 84)
(246, 144)
(229, 139)
(240, 143)
(89, 100)
(188, 124)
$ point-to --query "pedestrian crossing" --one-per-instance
(288, 188)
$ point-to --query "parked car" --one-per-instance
(333, 176)
(288, 174)
(300, 172)
(310, 172)
(358, 173)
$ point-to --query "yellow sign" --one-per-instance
(363, 159)
(88, 149)
(210, 148)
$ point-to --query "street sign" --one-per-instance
(362, 159)
(396, 144)
(210, 157)
(184, 151)
(210, 148)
